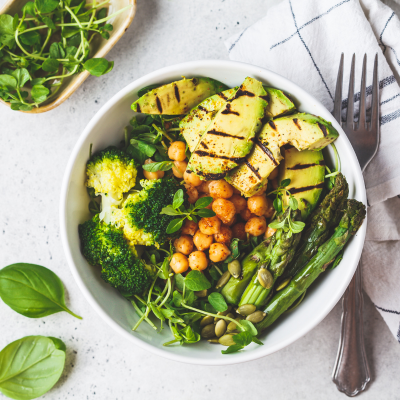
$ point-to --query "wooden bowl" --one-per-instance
(99, 47)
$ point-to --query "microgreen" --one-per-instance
(177, 209)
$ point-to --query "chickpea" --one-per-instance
(269, 232)
(232, 221)
(202, 241)
(152, 175)
(207, 195)
(220, 189)
(270, 210)
(204, 187)
(257, 205)
(236, 191)
(273, 174)
(192, 179)
(256, 226)
(198, 261)
(192, 193)
(210, 226)
(238, 231)
(246, 214)
(184, 244)
(179, 168)
(189, 227)
(218, 252)
(239, 202)
(177, 151)
(224, 209)
(274, 184)
(224, 235)
(179, 263)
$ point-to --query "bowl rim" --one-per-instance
(242, 356)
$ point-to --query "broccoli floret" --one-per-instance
(110, 172)
(105, 245)
(140, 215)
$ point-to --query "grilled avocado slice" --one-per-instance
(306, 171)
(303, 131)
(196, 122)
(229, 137)
(279, 103)
(178, 97)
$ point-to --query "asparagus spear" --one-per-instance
(327, 215)
(353, 216)
(281, 253)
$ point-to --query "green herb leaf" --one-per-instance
(32, 290)
(248, 326)
(278, 204)
(243, 338)
(232, 349)
(146, 148)
(179, 282)
(158, 166)
(7, 30)
(196, 281)
(56, 51)
(169, 211)
(285, 182)
(108, 27)
(39, 93)
(50, 65)
(157, 312)
(8, 81)
(276, 224)
(293, 203)
(37, 81)
(29, 8)
(203, 202)
(46, 6)
(22, 76)
(178, 199)
(49, 22)
(217, 301)
(189, 336)
(297, 226)
(175, 225)
(257, 341)
(98, 66)
(165, 268)
(177, 298)
(30, 38)
(31, 366)
(205, 213)
(190, 297)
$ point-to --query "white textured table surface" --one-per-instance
(100, 365)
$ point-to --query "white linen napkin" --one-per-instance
(303, 40)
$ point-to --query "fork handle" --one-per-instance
(351, 371)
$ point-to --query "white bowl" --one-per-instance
(106, 128)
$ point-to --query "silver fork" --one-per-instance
(351, 372)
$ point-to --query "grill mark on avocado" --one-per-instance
(201, 108)
(323, 129)
(296, 122)
(267, 151)
(138, 107)
(241, 93)
(229, 111)
(209, 176)
(208, 154)
(159, 106)
(256, 173)
(303, 166)
(220, 94)
(306, 188)
(266, 97)
(272, 125)
(223, 134)
(177, 95)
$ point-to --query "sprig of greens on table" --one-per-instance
(192, 213)
(31, 366)
(49, 42)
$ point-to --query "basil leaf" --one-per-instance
(232, 349)
(243, 338)
(178, 199)
(146, 89)
(217, 301)
(39, 93)
(98, 66)
(248, 326)
(196, 281)
(46, 6)
(203, 202)
(205, 213)
(175, 225)
(169, 211)
(31, 366)
(8, 81)
(285, 182)
(179, 282)
(158, 166)
(293, 204)
(32, 290)
(50, 65)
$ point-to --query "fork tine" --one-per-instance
(350, 101)
(362, 112)
(337, 109)
(375, 98)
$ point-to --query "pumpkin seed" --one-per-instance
(220, 328)
(207, 320)
(283, 284)
(223, 280)
(208, 331)
(223, 313)
(227, 340)
(256, 317)
(230, 315)
(246, 309)
(265, 278)
(235, 268)
(201, 293)
(214, 341)
(232, 327)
